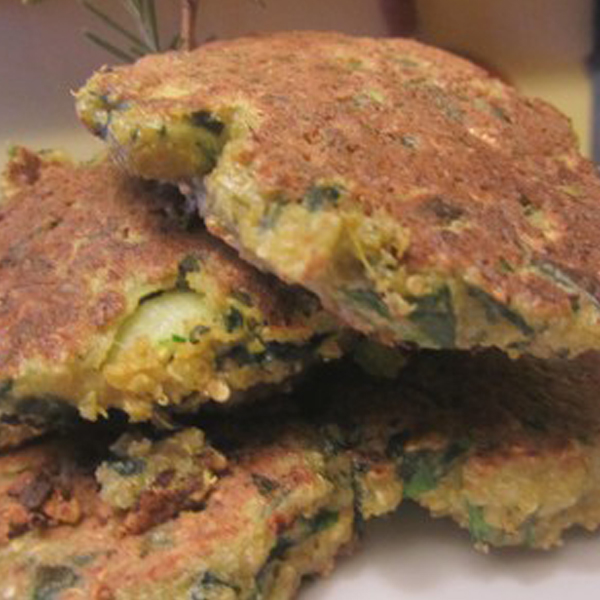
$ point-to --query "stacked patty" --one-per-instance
(256, 501)
(113, 296)
(381, 192)
(422, 200)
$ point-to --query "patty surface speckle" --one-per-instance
(421, 199)
(111, 296)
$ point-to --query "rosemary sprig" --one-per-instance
(145, 37)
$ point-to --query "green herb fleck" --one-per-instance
(6, 387)
(208, 121)
(422, 470)
(83, 560)
(50, 581)
(443, 209)
(434, 315)
(234, 319)
(479, 529)
(179, 339)
(128, 467)
(320, 197)
(567, 280)
(242, 297)
(528, 532)
(410, 141)
(496, 311)
(369, 300)
(197, 332)
(322, 521)
(505, 267)
(272, 214)
(264, 485)
(210, 587)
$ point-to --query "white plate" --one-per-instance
(410, 555)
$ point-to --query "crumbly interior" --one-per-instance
(353, 253)
(178, 347)
(355, 265)
(270, 500)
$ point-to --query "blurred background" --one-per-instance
(544, 47)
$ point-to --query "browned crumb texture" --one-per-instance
(83, 251)
(170, 515)
(486, 186)
(75, 239)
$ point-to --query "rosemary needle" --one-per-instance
(145, 41)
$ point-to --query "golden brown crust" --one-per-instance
(79, 247)
(518, 470)
(488, 185)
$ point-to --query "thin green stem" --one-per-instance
(117, 52)
(112, 24)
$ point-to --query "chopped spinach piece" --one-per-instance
(443, 209)
(127, 467)
(208, 121)
(281, 547)
(409, 141)
(358, 470)
(197, 332)
(234, 319)
(6, 387)
(242, 297)
(322, 521)
(320, 197)
(179, 339)
(285, 351)
(278, 551)
(495, 311)
(50, 581)
(434, 315)
(528, 206)
(479, 529)
(422, 470)
(83, 560)
(369, 300)
(442, 100)
(492, 109)
(264, 485)
(209, 587)
(272, 214)
(564, 277)
(505, 266)
(528, 532)
(500, 113)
